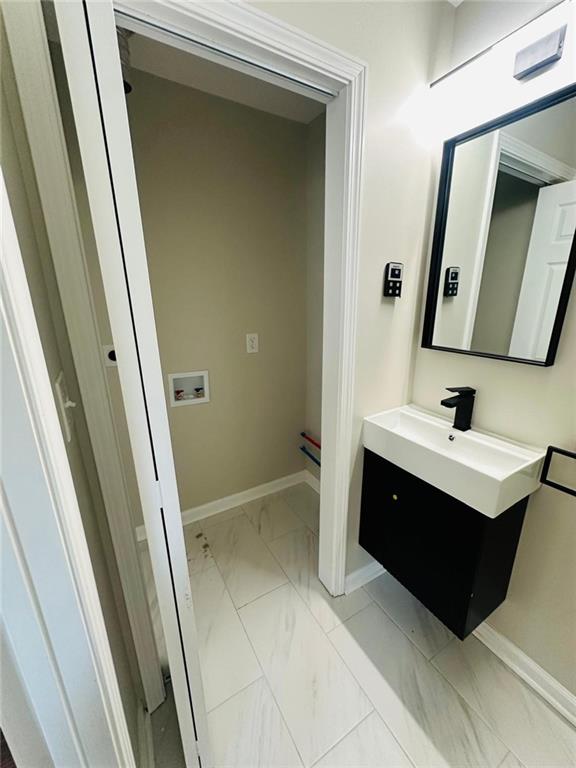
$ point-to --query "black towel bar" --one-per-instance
(547, 461)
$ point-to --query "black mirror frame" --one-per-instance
(435, 272)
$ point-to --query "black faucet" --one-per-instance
(464, 404)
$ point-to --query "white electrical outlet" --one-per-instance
(251, 342)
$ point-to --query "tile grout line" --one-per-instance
(456, 691)
(262, 675)
(264, 594)
(406, 635)
(341, 739)
(327, 633)
(237, 607)
(293, 583)
(280, 709)
(442, 675)
(315, 532)
(506, 757)
(394, 736)
(476, 711)
(244, 687)
(441, 650)
(432, 660)
(294, 512)
(239, 691)
(290, 583)
(265, 676)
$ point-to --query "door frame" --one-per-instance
(522, 158)
(239, 36)
(41, 112)
(243, 38)
(530, 304)
(100, 727)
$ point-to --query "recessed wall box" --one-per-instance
(393, 279)
(451, 281)
(189, 388)
(545, 51)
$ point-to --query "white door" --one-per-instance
(61, 704)
(548, 252)
(87, 34)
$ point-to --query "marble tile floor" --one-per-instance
(168, 752)
(296, 678)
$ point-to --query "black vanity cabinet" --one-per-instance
(454, 559)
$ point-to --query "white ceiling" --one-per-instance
(172, 64)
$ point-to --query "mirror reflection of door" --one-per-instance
(510, 226)
(552, 233)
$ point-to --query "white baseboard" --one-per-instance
(532, 673)
(362, 576)
(145, 742)
(311, 480)
(559, 697)
(237, 499)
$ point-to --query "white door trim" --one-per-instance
(24, 339)
(38, 98)
(240, 36)
(487, 203)
(521, 157)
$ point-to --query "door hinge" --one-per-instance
(198, 749)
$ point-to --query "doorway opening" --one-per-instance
(230, 173)
(233, 246)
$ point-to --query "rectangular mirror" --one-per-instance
(504, 248)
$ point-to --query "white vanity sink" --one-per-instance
(485, 472)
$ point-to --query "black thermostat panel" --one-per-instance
(451, 281)
(393, 279)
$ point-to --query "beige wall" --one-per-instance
(26, 208)
(504, 262)
(534, 405)
(399, 42)
(223, 198)
(552, 131)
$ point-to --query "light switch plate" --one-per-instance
(251, 343)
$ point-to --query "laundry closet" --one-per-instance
(230, 180)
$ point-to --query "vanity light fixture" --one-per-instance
(540, 54)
